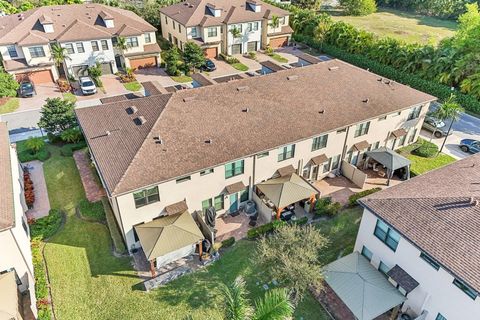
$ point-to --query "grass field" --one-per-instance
(132, 86)
(88, 282)
(403, 26)
(421, 165)
(10, 105)
(182, 79)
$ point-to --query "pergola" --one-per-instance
(286, 190)
(362, 288)
(390, 160)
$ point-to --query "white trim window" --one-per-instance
(147, 37)
(132, 42)
(36, 52)
(193, 32)
(12, 51)
(69, 47)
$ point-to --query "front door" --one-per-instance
(233, 203)
(315, 173)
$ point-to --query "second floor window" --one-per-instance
(465, 288)
(362, 129)
(95, 46)
(430, 261)
(387, 235)
(36, 52)
(319, 142)
(193, 32)
(69, 48)
(12, 51)
(367, 253)
(234, 169)
(132, 42)
(104, 45)
(414, 113)
(80, 48)
(147, 196)
(148, 39)
(286, 152)
(212, 31)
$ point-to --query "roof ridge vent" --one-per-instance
(132, 110)
(242, 88)
(246, 110)
(140, 120)
(190, 98)
(332, 68)
(292, 77)
(209, 141)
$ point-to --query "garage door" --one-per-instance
(211, 53)
(278, 42)
(252, 46)
(80, 71)
(43, 76)
(106, 68)
(237, 48)
(143, 63)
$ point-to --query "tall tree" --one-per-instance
(308, 4)
(59, 55)
(235, 33)
(359, 7)
(275, 23)
(8, 84)
(121, 45)
(172, 59)
(286, 257)
(57, 115)
(449, 110)
(275, 305)
(193, 56)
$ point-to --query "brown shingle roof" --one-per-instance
(319, 159)
(177, 207)
(17, 64)
(360, 146)
(285, 171)
(399, 133)
(84, 19)
(233, 11)
(7, 215)
(283, 30)
(433, 211)
(216, 112)
(235, 187)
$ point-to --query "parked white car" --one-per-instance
(87, 85)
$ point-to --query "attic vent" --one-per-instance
(333, 68)
(140, 120)
(365, 100)
(187, 99)
(158, 140)
(108, 133)
(132, 110)
(321, 111)
(244, 88)
(209, 141)
(245, 110)
(294, 77)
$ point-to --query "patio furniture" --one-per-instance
(390, 160)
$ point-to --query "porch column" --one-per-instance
(152, 269)
(279, 211)
(200, 248)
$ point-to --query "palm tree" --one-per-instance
(235, 32)
(449, 110)
(122, 46)
(275, 23)
(59, 55)
(34, 144)
(275, 305)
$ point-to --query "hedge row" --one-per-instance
(352, 200)
(67, 149)
(264, 229)
(41, 283)
(117, 238)
(436, 89)
(46, 227)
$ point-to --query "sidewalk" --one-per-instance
(41, 206)
(93, 191)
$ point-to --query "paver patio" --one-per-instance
(41, 206)
(93, 191)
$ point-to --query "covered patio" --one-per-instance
(390, 161)
(356, 290)
(169, 238)
(287, 197)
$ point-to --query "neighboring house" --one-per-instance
(87, 31)
(17, 284)
(210, 146)
(423, 235)
(209, 23)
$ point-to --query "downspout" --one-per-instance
(344, 149)
(253, 176)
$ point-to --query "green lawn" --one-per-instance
(404, 26)
(69, 96)
(421, 165)
(10, 105)
(132, 86)
(88, 282)
(279, 58)
(239, 66)
(182, 79)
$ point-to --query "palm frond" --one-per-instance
(237, 306)
(275, 305)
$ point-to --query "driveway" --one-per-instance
(155, 74)
(44, 91)
(112, 86)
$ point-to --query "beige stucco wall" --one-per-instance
(15, 242)
(6, 56)
(34, 61)
(168, 27)
(200, 188)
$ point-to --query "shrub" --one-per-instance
(117, 238)
(359, 7)
(35, 144)
(67, 150)
(426, 149)
(264, 229)
(8, 85)
(325, 206)
(46, 227)
(252, 55)
(25, 155)
(41, 284)
(301, 221)
(28, 187)
(229, 59)
(71, 135)
(269, 51)
(128, 76)
(64, 86)
(228, 242)
(92, 211)
(53, 138)
(95, 72)
(352, 200)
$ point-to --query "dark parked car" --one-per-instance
(434, 125)
(470, 145)
(27, 89)
(209, 66)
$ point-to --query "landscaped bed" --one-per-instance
(132, 86)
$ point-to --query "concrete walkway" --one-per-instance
(93, 191)
(41, 206)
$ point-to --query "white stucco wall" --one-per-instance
(436, 293)
(246, 36)
(6, 56)
(34, 61)
(89, 57)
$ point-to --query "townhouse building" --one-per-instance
(228, 27)
(88, 32)
(211, 145)
(17, 281)
(422, 235)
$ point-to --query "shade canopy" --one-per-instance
(8, 296)
(286, 190)
(389, 158)
(361, 287)
(168, 234)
